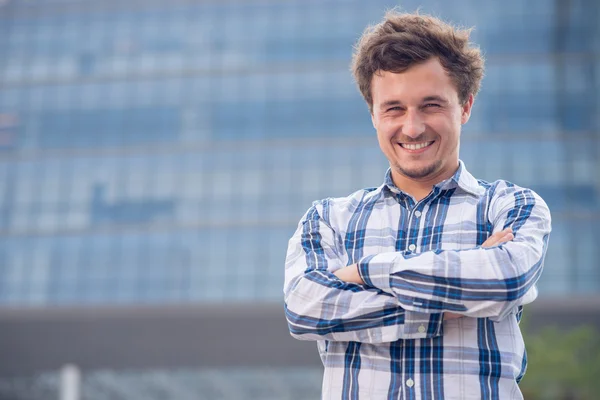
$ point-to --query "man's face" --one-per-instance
(418, 117)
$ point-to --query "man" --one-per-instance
(414, 289)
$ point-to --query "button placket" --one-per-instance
(416, 214)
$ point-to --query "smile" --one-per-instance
(415, 146)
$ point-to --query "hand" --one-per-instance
(496, 239)
(499, 238)
(349, 274)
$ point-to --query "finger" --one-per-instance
(487, 243)
(497, 237)
(506, 238)
(493, 239)
(449, 315)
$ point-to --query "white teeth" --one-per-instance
(415, 146)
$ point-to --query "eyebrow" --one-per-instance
(439, 99)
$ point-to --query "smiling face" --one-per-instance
(418, 117)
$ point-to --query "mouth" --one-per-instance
(416, 147)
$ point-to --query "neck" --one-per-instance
(419, 188)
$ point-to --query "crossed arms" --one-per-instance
(393, 295)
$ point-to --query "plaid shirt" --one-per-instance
(387, 339)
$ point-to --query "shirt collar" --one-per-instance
(461, 178)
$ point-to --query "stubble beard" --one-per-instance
(419, 173)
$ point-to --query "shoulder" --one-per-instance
(334, 208)
(504, 195)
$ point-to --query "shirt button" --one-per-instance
(410, 382)
(412, 247)
(421, 329)
(417, 213)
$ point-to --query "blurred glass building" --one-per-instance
(163, 151)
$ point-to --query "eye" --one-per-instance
(430, 105)
(393, 109)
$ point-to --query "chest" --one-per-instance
(442, 224)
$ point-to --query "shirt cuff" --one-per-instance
(419, 325)
(374, 270)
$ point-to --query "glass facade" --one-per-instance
(160, 151)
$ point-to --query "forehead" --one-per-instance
(419, 81)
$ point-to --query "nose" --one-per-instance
(413, 125)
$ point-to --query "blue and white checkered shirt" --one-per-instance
(387, 339)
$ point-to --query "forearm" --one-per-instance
(320, 306)
(477, 283)
(489, 280)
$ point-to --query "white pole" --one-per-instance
(70, 378)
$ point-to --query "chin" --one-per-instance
(420, 172)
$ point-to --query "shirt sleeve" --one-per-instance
(320, 306)
(478, 282)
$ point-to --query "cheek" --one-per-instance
(386, 128)
(383, 138)
(446, 127)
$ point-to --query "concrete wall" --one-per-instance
(231, 335)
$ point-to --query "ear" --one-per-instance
(466, 110)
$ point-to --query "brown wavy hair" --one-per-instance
(402, 40)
